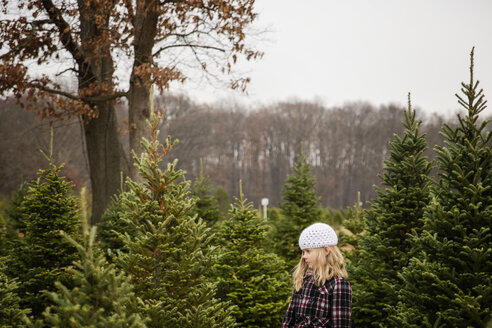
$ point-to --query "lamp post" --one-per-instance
(264, 203)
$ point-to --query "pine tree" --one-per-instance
(11, 224)
(448, 283)
(112, 228)
(253, 279)
(12, 213)
(169, 256)
(384, 246)
(42, 256)
(349, 238)
(11, 314)
(299, 209)
(102, 297)
(207, 206)
(223, 200)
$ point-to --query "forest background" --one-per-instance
(346, 146)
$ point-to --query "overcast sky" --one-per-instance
(336, 51)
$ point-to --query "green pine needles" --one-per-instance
(384, 246)
(42, 256)
(11, 314)
(299, 209)
(207, 206)
(250, 277)
(102, 297)
(448, 283)
(168, 251)
(111, 228)
(12, 215)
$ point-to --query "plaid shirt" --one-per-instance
(320, 306)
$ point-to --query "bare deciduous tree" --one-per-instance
(96, 42)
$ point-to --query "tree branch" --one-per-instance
(53, 91)
(178, 35)
(64, 29)
(112, 96)
(171, 1)
(187, 45)
(66, 70)
(41, 22)
(35, 25)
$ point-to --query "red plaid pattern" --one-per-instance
(320, 306)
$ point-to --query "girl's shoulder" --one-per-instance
(336, 283)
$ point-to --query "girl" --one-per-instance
(322, 294)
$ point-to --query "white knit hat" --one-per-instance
(318, 235)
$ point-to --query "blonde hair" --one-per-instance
(326, 267)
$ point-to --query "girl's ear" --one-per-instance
(327, 250)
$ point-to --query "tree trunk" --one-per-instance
(107, 160)
(145, 25)
(138, 113)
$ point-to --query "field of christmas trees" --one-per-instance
(170, 252)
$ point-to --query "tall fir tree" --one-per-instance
(252, 278)
(299, 209)
(101, 298)
(449, 283)
(42, 256)
(169, 254)
(11, 314)
(384, 246)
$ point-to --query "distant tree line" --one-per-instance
(345, 146)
